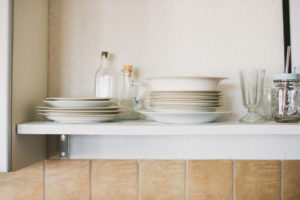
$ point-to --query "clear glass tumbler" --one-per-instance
(252, 84)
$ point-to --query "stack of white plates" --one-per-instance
(182, 100)
(191, 104)
(80, 110)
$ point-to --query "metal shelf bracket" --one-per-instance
(64, 147)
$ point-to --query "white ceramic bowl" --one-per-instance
(181, 83)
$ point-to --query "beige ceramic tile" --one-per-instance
(162, 180)
(259, 180)
(210, 179)
(114, 179)
(67, 179)
(291, 180)
(25, 183)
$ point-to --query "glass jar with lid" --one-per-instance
(286, 98)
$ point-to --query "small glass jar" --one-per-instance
(286, 98)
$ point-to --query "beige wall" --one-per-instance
(29, 77)
(169, 37)
(154, 179)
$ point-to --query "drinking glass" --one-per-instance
(265, 108)
(252, 84)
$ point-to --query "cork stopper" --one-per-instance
(104, 53)
(127, 69)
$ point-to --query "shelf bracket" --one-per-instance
(64, 147)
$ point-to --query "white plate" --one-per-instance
(182, 83)
(185, 101)
(80, 119)
(186, 95)
(80, 112)
(80, 109)
(186, 91)
(178, 109)
(77, 99)
(183, 117)
(217, 92)
(179, 104)
(78, 104)
(183, 98)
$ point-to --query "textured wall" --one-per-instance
(154, 179)
(169, 37)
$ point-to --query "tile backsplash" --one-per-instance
(154, 179)
(162, 179)
(258, 180)
(210, 179)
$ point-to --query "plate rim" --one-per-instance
(79, 108)
(111, 115)
(194, 112)
(186, 77)
(76, 98)
(186, 91)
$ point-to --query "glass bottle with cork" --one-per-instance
(127, 99)
(105, 78)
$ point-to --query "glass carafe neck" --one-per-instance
(104, 62)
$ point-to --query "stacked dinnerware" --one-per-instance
(80, 110)
(184, 99)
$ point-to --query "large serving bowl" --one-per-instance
(184, 83)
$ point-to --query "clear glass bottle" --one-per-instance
(127, 99)
(286, 98)
(105, 78)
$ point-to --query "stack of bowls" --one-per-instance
(184, 99)
(80, 110)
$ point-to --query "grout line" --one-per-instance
(186, 180)
(91, 190)
(44, 179)
(233, 180)
(138, 180)
(281, 180)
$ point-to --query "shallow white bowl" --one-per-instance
(183, 117)
(78, 104)
(181, 83)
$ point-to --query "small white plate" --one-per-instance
(185, 104)
(80, 119)
(187, 101)
(183, 117)
(77, 99)
(183, 109)
(185, 95)
(187, 92)
(80, 112)
(79, 109)
(78, 104)
(185, 98)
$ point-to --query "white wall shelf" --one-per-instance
(150, 140)
(152, 128)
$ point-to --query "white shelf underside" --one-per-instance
(152, 128)
(149, 140)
